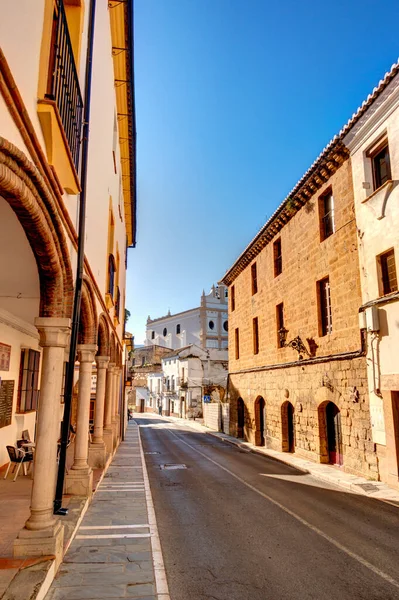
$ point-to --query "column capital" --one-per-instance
(102, 362)
(53, 331)
(86, 352)
(111, 366)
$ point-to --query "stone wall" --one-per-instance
(275, 373)
(309, 389)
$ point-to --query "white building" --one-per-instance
(374, 145)
(188, 375)
(205, 326)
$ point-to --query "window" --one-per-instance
(381, 165)
(325, 306)
(28, 393)
(280, 323)
(387, 272)
(254, 279)
(326, 212)
(117, 303)
(182, 375)
(232, 298)
(211, 325)
(142, 361)
(255, 335)
(178, 329)
(226, 325)
(153, 335)
(165, 331)
(111, 275)
(237, 343)
(212, 344)
(278, 259)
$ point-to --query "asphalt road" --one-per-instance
(238, 526)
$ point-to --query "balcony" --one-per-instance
(61, 109)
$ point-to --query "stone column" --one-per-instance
(43, 533)
(97, 446)
(108, 432)
(79, 481)
(115, 423)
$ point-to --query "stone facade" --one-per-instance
(286, 398)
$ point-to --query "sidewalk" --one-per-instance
(116, 552)
(327, 473)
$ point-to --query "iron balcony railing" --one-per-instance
(64, 86)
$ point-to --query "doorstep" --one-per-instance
(327, 473)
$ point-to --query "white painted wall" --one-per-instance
(190, 328)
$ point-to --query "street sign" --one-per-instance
(207, 399)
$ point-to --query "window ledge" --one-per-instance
(57, 147)
(388, 184)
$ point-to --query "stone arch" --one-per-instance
(259, 407)
(330, 433)
(88, 315)
(287, 427)
(22, 186)
(103, 336)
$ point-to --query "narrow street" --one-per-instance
(237, 526)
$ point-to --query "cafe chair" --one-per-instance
(18, 457)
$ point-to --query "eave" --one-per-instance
(121, 20)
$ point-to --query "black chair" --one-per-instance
(18, 457)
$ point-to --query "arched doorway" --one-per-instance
(287, 427)
(334, 434)
(240, 418)
(259, 421)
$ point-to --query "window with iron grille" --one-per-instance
(381, 166)
(278, 259)
(387, 272)
(254, 278)
(63, 83)
(255, 335)
(117, 302)
(325, 312)
(232, 298)
(28, 392)
(326, 212)
(237, 343)
(111, 275)
(280, 323)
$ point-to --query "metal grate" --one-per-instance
(63, 85)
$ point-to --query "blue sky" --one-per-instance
(234, 101)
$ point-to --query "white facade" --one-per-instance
(205, 326)
(377, 217)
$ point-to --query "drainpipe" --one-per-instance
(79, 271)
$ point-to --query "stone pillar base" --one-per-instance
(97, 455)
(108, 440)
(43, 542)
(79, 482)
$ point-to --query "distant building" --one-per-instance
(188, 375)
(206, 326)
(142, 361)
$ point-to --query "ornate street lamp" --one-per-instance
(296, 344)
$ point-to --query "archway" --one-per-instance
(88, 332)
(240, 417)
(334, 434)
(102, 337)
(287, 427)
(259, 421)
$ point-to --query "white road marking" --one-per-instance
(113, 536)
(115, 526)
(161, 582)
(353, 555)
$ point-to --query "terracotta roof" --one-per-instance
(336, 142)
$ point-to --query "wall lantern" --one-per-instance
(296, 344)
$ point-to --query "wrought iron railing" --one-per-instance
(63, 85)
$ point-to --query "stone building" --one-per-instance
(143, 361)
(297, 364)
(373, 141)
(44, 101)
(205, 326)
